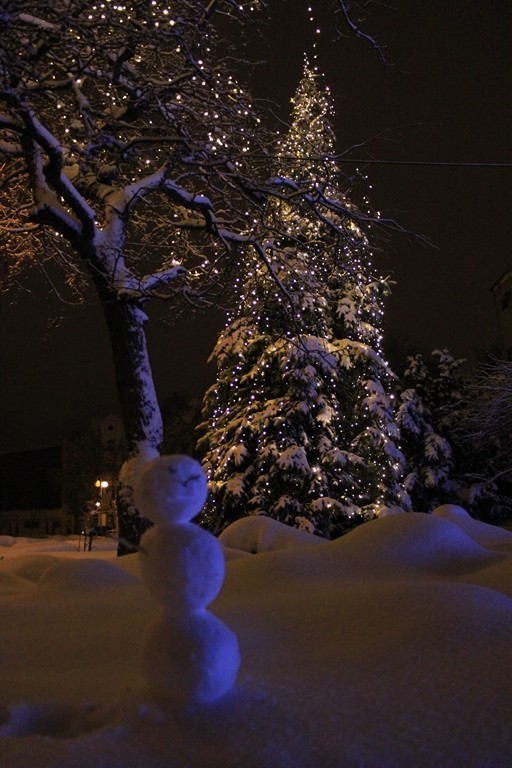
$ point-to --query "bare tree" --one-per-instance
(351, 15)
(132, 160)
(488, 411)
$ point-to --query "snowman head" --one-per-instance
(171, 489)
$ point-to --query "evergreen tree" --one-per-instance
(430, 416)
(447, 458)
(299, 425)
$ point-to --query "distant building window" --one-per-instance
(509, 353)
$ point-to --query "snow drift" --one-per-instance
(388, 647)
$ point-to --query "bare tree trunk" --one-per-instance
(141, 415)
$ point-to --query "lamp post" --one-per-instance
(102, 486)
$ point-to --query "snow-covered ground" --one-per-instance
(390, 647)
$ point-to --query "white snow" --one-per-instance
(387, 648)
(294, 457)
(257, 533)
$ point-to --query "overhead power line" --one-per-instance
(343, 159)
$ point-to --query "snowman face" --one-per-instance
(171, 489)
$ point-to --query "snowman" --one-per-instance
(189, 655)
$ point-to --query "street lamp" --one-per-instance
(102, 485)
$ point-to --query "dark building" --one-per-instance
(30, 493)
(31, 479)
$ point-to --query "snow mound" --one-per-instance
(10, 583)
(71, 575)
(230, 553)
(55, 544)
(415, 543)
(22, 545)
(385, 511)
(487, 535)
(411, 546)
(257, 533)
(30, 567)
(387, 647)
(54, 721)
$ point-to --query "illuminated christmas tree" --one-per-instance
(299, 425)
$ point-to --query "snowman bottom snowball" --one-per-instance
(190, 659)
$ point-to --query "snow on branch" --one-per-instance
(8, 148)
(343, 9)
(53, 175)
(35, 21)
(123, 199)
(324, 208)
(164, 277)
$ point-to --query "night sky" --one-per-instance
(445, 97)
